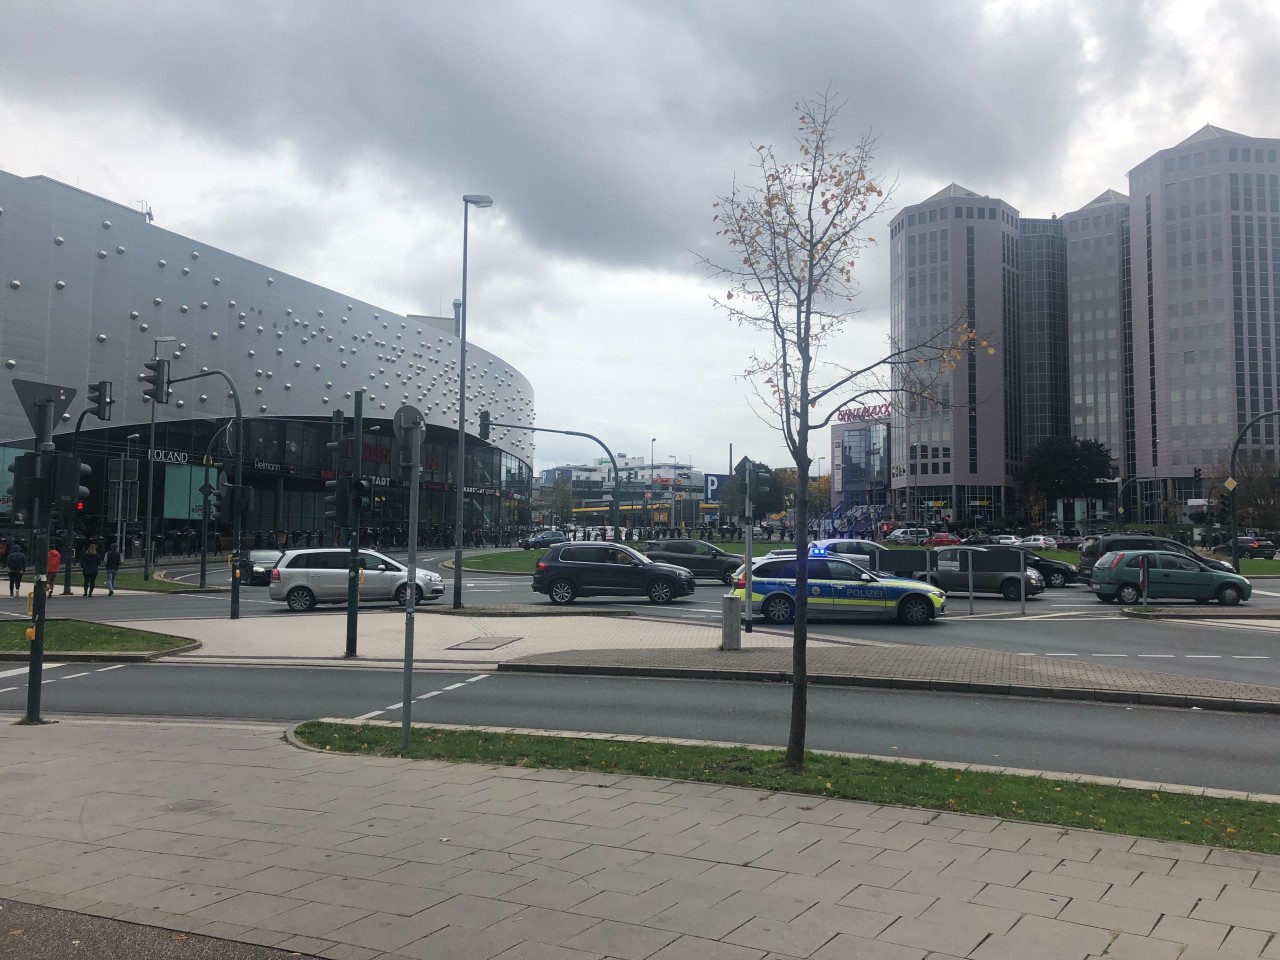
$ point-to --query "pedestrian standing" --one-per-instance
(55, 564)
(16, 564)
(89, 565)
(111, 563)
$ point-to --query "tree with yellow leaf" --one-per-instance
(796, 234)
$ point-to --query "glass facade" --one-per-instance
(860, 483)
(1043, 358)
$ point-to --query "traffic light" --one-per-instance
(946, 518)
(361, 494)
(1196, 474)
(762, 481)
(214, 510)
(25, 487)
(337, 502)
(157, 379)
(236, 499)
(68, 471)
(485, 421)
(100, 399)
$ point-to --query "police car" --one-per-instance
(837, 588)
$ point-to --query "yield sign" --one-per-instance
(34, 395)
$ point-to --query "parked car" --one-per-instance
(304, 578)
(951, 572)
(1249, 547)
(1096, 545)
(542, 539)
(570, 570)
(1005, 540)
(260, 565)
(908, 535)
(940, 540)
(704, 559)
(1056, 573)
(1039, 542)
(1117, 576)
(837, 588)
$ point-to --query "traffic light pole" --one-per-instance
(237, 517)
(71, 517)
(41, 529)
(205, 491)
(353, 563)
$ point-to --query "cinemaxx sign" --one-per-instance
(878, 412)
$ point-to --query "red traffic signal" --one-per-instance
(79, 505)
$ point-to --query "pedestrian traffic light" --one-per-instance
(68, 471)
(100, 399)
(485, 421)
(157, 380)
(337, 502)
(361, 494)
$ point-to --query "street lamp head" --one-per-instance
(134, 436)
(477, 199)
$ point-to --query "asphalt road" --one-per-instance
(1234, 751)
(1059, 623)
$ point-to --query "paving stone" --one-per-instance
(623, 940)
(457, 943)
(880, 900)
(814, 889)
(766, 903)
(373, 895)
(1129, 947)
(532, 950)
(314, 918)
(1199, 933)
(544, 926)
(1236, 916)
(698, 919)
(624, 907)
(847, 947)
(1154, 901)
(740, 878)
(791, 938)
(990, 919)
(1021, 900)
(1250, 897)
(1044, 939)
(471, 913)
(956, 934)
(695, 948)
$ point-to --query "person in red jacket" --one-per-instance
(55, 564)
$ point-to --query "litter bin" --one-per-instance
(731, 622)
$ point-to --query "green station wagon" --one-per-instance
(1170, 576)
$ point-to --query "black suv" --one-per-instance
(1095, 546)
(1255, 547)
(704, 559)
(570, 570)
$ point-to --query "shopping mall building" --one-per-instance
(91, 289)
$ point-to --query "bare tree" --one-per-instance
(797, 234)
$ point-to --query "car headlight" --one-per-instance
(1035, 576)
(1074, 568)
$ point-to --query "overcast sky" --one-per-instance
(334, 140)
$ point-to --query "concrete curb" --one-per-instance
(1143, 698)
(87, 656)
(1198, 613)
(291, 737)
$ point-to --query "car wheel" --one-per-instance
(403, 591)
(1010, 590)
(1057, 579)
(561, 591)
(1128, 594)
(915, 611)
(1228, 595)
(661, 591)
(778, 610)
(300, 599)
(726, 576)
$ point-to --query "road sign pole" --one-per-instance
(408, 426)
(353, 564)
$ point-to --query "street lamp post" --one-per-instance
(468, 201)
(147, 555)
(124, 471)
(672, 517)
(652, 441)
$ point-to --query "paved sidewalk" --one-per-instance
(228, 831)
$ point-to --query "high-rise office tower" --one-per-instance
(1042, 331)
(954, 264)
(1101, 343)
(1205, 252)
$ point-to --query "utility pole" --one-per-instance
(353, 563)
(408, 425)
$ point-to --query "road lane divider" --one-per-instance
(425, 696)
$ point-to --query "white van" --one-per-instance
(911, 535)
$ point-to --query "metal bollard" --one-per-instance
(731, 622)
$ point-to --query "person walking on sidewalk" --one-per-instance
(55, 564)
(89, 564)
(111, 563)
(16, 564)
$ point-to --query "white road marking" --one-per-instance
(474, 679)
(394, 706)
(1167, 656)
(1203, 656)
(14, 673)
(369, 716)
(454, 686)
(114, 667)
(424, 696)
(8, 689)
(1062, 654)
(72, 676)
(1108, 654)
(433, 693)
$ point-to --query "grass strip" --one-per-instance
(80, 636)
(1234, 824)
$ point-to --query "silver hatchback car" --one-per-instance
(304, 578)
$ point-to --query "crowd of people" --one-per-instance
(93, 560)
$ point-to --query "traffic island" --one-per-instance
(80, 641)
(1180, 814)
(944, 669)
(1199, 612)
